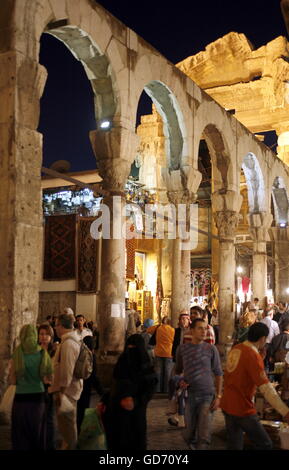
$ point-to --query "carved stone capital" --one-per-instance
(181, 197)
(114, 172)
(226, 222)
(259, 224)
(182, 179)
(115, 151)
(228, 201)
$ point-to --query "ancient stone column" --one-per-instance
(21, 85)
(226, 214)
(114, 152)
(181, 258)
(226, 223)
(259, 224)
(280, 237)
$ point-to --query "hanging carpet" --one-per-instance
(59, 254)
(87, 256)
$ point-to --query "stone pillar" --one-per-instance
(226, 214)
(259, 224)
(282, 131)
(21, 84)
(114, 152)
(181, 263)
(181, 258)
(166, 266)
(280, 237)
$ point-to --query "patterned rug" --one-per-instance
(59, 254)
(87, 256)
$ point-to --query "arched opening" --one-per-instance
(162, 139)
(79, 96)
(251, 241)
(202, 266)
(216, 168)
(244, 249)
(67, 111)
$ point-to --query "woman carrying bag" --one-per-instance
(31, 368)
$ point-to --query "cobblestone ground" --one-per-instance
(161, 436)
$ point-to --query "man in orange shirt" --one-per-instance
(163, 353)
(244, 373)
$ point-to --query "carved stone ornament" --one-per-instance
(259, 224)
(114, 172)
(181, 197)
(226, 222)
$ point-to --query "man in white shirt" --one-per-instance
(80, 330)
(273, 331)
(272, 324)
(65, 387)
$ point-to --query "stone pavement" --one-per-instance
(161, 436)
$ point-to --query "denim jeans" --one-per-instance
(163, 367)
(198, 419)
(236, 425)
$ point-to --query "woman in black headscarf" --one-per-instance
(134, 385)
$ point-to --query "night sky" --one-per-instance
(67, 110)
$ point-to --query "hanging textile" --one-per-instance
(87, 256)
(245, 284)
(201, 281)
(59, 249)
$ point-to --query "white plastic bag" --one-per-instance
(65, 406)
(6, 405)
(284, 438)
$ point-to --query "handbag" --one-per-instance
(6, 405)
(153, 339)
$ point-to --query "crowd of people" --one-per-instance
(183, 363)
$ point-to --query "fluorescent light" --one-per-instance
(105, 124)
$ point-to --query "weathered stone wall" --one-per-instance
(53, 303)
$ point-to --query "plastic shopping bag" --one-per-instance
(6, 405)
(92, 435)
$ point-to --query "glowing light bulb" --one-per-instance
(105, 124)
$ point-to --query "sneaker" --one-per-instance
(173, 422)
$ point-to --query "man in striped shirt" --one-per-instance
(200, 362)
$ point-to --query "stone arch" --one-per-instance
(255, 183)
(97, 67)
(92, 35)
(210, 124)
(174, 128)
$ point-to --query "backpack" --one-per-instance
(84, 363)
